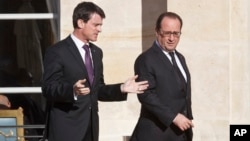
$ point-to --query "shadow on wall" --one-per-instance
(150, 12)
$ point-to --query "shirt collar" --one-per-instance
(77, 41)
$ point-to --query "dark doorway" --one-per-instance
(150, 11)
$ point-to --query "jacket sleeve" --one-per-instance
(111, 93)
(150, 101)
(54, 86)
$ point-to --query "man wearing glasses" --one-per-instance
(166, 113)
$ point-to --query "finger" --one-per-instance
(143, 88)
(142, 82)
(84, 91)
(191, 124)
(134, 77)
(182, 128)
(82, 81)
(140, 92)
(187, 126)
(9, 105)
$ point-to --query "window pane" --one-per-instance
(22, 44)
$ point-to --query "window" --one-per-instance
(27, 29)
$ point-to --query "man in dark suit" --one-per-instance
(166, 113)
(73, 86)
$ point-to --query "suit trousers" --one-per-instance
(89, 134)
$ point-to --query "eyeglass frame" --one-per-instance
(169, 33)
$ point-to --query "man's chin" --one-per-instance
(170, 48)
(93, 40)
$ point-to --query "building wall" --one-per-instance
(215, 41)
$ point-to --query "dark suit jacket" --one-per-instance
(163, 100)
(69, 118)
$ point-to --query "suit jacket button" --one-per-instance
(90, 108)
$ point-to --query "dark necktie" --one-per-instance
(88, 64)
(177, 71)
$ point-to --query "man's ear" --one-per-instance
(157, 33)
(80, 23)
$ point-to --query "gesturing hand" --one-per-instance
(80, 89)
(130, 86)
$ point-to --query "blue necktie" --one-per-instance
(88, 64)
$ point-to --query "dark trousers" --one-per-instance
(89, 134)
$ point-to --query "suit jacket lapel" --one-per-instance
(75, 53)
(162, 56)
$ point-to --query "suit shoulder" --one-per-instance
(147, 53)
(96, 49)
(180, 54)
(61, 45)
(65, 42)
(95, 46)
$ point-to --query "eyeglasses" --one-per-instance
(169, 33)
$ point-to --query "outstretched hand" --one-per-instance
(131, 86)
